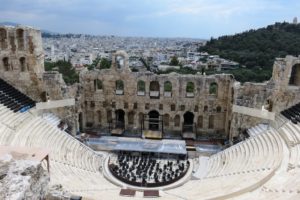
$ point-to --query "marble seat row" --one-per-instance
(239, 168)
(285, 183)
(246, 155)
(258, 129)
(63, 147)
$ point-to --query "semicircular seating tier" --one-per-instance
(265, 166)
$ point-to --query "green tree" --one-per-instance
(105, 63)
(174, 61)
(257, 48)
(66, 69)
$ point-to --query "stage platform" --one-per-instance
(110, 143)
(152, 134)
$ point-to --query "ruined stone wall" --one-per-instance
(285, 80)
(22, 65)
(54, 88)
(21, 58)
(252, 95)
(99, 102)
(281, 92)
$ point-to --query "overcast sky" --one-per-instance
(157, 18)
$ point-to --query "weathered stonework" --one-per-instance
(282, 91)
(97, 103)
(22, 179)
(21, 58)
(100, 100)
(22, 65)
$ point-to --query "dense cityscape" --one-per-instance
(152, 53)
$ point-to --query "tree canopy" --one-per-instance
(174, 61)
(65, 68)
(257, 49)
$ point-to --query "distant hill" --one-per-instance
(257, 49)
(8, 23)
(44, 32)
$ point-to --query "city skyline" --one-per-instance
(169, 18)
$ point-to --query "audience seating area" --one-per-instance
(149, 169)
(292, 113)
(55, 121)
(285, 183)
(264, 166)
(72, 164)
(238, 169)
(258, 129)
(14, 99)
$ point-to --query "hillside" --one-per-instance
(257, 49)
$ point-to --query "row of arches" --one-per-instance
(154, 87)
(190, 87)
(4, 39)
(7, 64)
(155, 117)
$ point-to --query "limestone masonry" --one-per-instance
(197, 104)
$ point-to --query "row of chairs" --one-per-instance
(14, 99)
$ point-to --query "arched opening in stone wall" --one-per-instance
(3, 38)
(200, 122)
(98, 84)
(213, 89)
(173, 107)
(44, 96)
(154, 89)
(80, 122)
(141, 87)
(120, 118)
(190, 89)
(295, 75)
(20, 39)
(188, 122)
(120, 61)
(177, 120)
(153, 120)
(99, 116)
(12, 43)
(166, 120)
(205, 109)
(22, 61)
(269, 105)
(141, 118)
(119, 87)
(131, 118)
(168, 89)
(219, 109)
(188, 118)
(109, 116)
(5, 62)
(211, 120)
(30, 44)
(89, 119)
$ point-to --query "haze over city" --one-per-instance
(154, 18)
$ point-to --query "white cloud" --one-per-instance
(214, 8)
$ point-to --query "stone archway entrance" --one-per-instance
(295, 75)
(153, 120)
(120, 118)
(188, 122)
